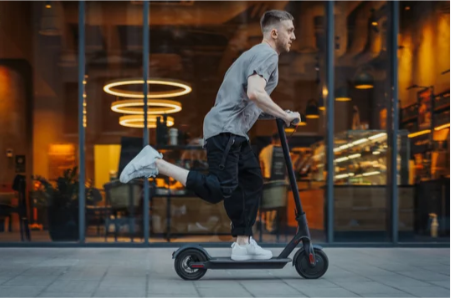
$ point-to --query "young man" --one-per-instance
(234, 173)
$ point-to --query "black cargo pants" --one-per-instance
(234, 177)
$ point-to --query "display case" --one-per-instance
(360, 158)
(427, 122)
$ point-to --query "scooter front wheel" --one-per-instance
(303, 267)
(183, 261)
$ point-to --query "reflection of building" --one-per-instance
(194, 43)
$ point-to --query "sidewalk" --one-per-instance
(135, 272)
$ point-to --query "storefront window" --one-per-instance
(360, 143)
(114, 119)
(38, 121)
(423, 61)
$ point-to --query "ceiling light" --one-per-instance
(111, 88)
(419, 133)
(136, 106)
(137, 121)
(442, 126)
(364, 81)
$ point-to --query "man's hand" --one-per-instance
(292, 116)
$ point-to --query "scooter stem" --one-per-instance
(302, 232)
(286, 154)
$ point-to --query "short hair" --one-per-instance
(275, 136)
(274, 17)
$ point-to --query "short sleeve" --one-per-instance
(263, 64)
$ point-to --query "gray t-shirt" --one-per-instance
(233, 111)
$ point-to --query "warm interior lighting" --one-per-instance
(442, 126)
(374, 23)
(366, 86)
(137, 121)
(380, 135)
(290, 130)
(364, 80)
(376, 153)
(110, 88)
(312, 116)
(359, 141)
(342, 98)
(322, 108)
(342, 94)
(61, 149)
(348, 157)
(135, 106)
(371, 173)
(341, 176)
(407, 8)
(341, 148)
(341, 159)
(48, 5)
(419, 133)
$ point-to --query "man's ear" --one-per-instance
(274, 33)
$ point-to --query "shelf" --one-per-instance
(177, 147)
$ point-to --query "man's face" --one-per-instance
(285, 36)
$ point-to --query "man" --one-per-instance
(234, 172)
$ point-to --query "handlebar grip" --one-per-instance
(295, 121)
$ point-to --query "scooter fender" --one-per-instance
(190, 246)
(300, 250)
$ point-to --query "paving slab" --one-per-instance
(149, 272)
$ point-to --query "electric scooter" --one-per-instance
(192, 261)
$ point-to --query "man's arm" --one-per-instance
(257, 93)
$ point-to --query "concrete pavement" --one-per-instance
(136, 272)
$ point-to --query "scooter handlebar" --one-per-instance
(264, 116)
(295, 122)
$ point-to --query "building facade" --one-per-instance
(371, 157)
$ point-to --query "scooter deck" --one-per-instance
(228, 263)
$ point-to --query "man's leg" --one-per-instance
(242, 207)
(170, 170)
(222, 153)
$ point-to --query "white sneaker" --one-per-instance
(240, 252)
(143, 165)
(249, 251)
(258, 252)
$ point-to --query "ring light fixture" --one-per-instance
(113, 88)
(137, 121)
(135, 106)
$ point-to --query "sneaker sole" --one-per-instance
(241, 258)
(262, 257)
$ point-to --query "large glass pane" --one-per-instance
(38, 121)
(424, 121)
(114, 130)
(360, 143)
(195, 42)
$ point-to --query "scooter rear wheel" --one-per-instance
(303, 267)
(187, 257)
